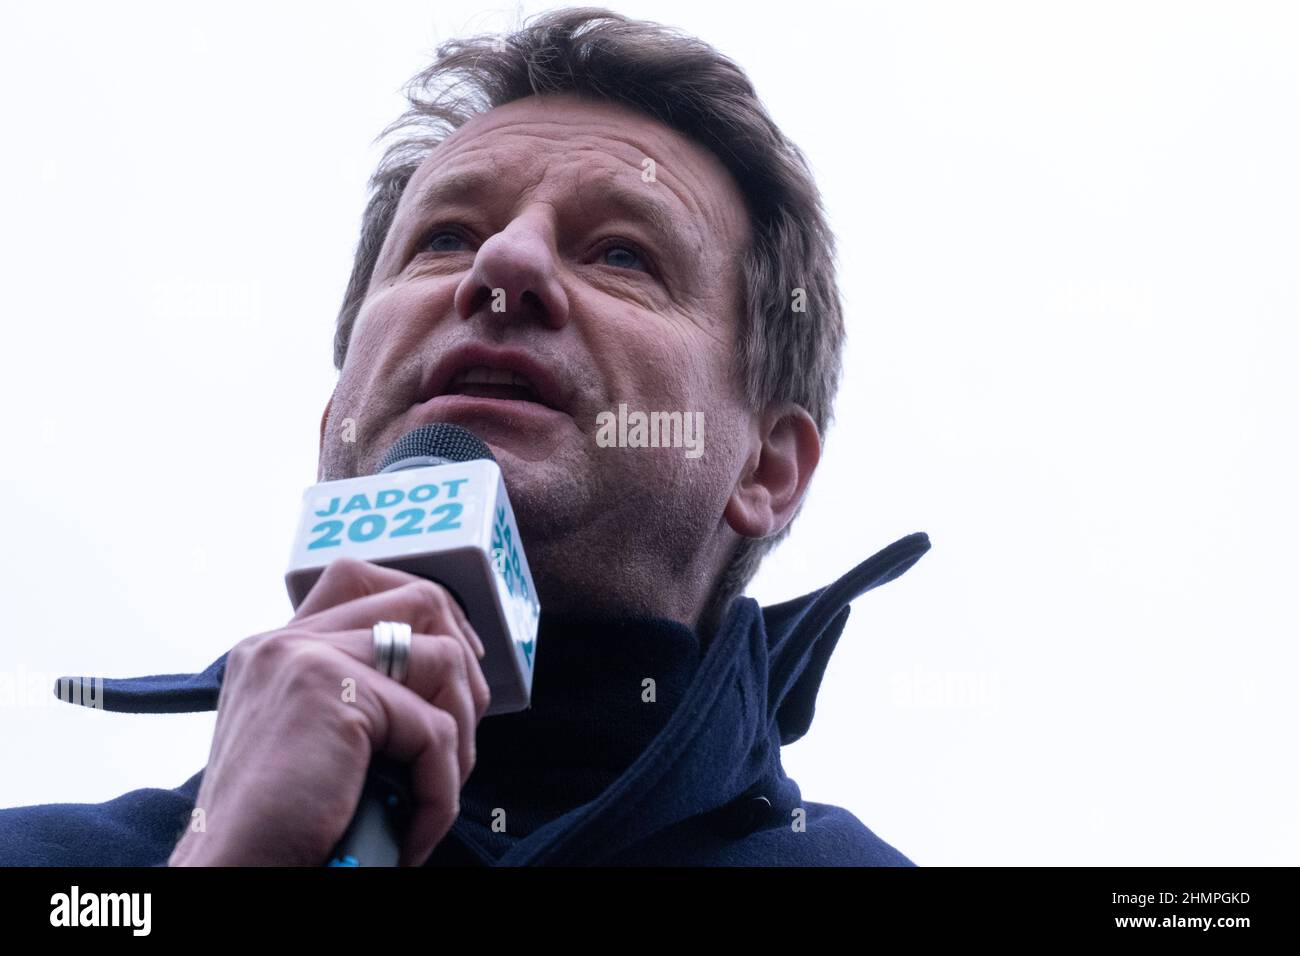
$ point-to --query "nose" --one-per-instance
(515, 276)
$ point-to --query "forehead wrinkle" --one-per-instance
(468, 181)
(682, 192)
(448, 187)
(589, 134)
(635, 204)
(474, 183)
(708, 208)
(705, 212)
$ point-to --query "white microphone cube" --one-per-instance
(451, 523)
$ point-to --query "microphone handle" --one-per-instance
(374, 837)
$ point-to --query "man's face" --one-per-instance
(553, 259)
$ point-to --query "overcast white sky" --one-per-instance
(1069, 244)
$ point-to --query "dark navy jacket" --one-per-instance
(694, 778)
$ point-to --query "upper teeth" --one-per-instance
(482, 375)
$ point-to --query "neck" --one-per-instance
(576, 575)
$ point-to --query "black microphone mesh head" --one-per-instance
(439, 440)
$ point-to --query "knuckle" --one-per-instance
(342, 576)
(343, 569)
(426, 601)
(443, 730)
(354, 725)
(305, 667)
(292, 668)
(260, 650)
(451, 654)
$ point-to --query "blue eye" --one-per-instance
(623, 257)
(444, 241)
(618, 255)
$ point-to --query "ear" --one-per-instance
(774, 480)
(320, 456)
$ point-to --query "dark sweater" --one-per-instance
(592, 715)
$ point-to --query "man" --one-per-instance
(593, 212)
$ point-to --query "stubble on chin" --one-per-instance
(352, 435)
(344, 449)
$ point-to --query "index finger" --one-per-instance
(346, 579)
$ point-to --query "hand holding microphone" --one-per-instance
(302, 729)
(302, 711)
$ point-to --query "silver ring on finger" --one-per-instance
(392, 646)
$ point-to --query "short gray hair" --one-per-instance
(791, 328)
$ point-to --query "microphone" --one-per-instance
(436, 508)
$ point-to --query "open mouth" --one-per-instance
(480, 371)
(483, 382)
